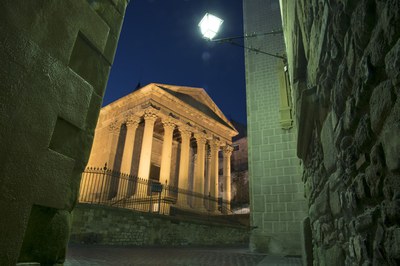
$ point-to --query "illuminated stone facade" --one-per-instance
(167, 133)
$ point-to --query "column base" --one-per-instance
(200, 209)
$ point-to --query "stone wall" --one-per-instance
(94, 224)
(276, 191)
(55, 61)
(344, 61)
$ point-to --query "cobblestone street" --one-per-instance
(103, 255)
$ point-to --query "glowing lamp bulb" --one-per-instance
(209, 26)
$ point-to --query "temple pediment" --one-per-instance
(192, 105)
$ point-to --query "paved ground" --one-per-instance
(100, 255)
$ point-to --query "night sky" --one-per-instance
(161, 42)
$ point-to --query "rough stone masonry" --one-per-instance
(344, 63)
(55, 61)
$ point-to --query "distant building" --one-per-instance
(172, 134)
(239, 169)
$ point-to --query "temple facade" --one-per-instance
(165, 133)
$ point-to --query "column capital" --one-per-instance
(169, 123)
(185, 130)
(208, 155)
(150, 114)
(200, 138)
(132, 121)
(114, 126)
(227, 150)
(214, 144)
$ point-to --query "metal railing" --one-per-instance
(107, 187)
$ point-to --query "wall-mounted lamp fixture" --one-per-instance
(210, 25)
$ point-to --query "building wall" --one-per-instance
(55, 61)
(276, 191)
(344, 58)
(93, 224)
(240, 157)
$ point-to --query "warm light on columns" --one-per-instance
(209, 26)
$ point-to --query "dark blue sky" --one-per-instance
(161, 42)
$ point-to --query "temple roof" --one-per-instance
(190, 100)
(178, 99)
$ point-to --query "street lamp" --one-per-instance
(210, 25)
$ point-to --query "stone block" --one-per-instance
(391, 211)
(285, 197)
(350, 114)
(278, 172)
(365, 221)
(279, 207)
(362, 22)
(392, 243)
(92, 65)
(334, 256)
(266, 190)
(390, 20)
(392, 64)
(291, 188)
(390, 138)
(113, 18)
(374, 172)
(57, 33)
(334, 203)
(292, 170)
(269, 181)
(340, 89)
(286, 216)
(277, 189)
(363, 135)
(271, 198)
(351, 53)
(306, 238)
(258, 204)
(377, 48)
(271, 217)
(362, 162)
(380, 103)
(360, 187)
(317, 35)
(280, 227)
(328, 146)
(320, 206)
(359, 246)
(350, 199)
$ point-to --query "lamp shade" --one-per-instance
(209, 25)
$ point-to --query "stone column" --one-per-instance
(114, 129)
(109, 186)
(207, 179)
(150, 117)
(184, 165)
(124, 186)
(198, 186)
(227, 152)
(131, 126)
(214, 146)
(165, 169)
